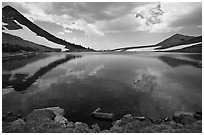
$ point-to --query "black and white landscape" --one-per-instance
(102, 67)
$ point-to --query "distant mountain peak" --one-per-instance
(9, 10)
(8, 7)
(174, 40)
(181, 36)
(177, 35)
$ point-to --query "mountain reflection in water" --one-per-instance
(175, 62)
(22, 82)
(147, 84)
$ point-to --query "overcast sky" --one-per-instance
(113, 25)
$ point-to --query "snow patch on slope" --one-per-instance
(143, 49)
(180, 47)
(27, 34)
(153, 49)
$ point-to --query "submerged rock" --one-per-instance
(184, 118)
(7, 91)
(198, 115)
(166, 119)
(179, 113)
(10, 117)
(102, 116)
(141, 118)
(127, 116)
(56, 110)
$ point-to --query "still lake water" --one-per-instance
(146, 84)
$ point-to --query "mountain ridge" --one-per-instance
(10, 13)
(175, 40)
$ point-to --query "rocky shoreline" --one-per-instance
(51, 120)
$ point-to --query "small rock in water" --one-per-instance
(9, 113)
(19, 116)
(7, 91)
(166, 119)
(139, 118)
(184, 118)
(179, 125)
(102, 116)
(127, 116)
(178, 113)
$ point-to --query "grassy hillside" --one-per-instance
(11, 43)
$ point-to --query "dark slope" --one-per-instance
(191, 49)
(11, 24)
(194, 40)
(11, 43)
(135, 47)
(9, 14)
(174, 40)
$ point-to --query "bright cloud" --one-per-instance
(82, 25)
(60, 33)
(159, 17)
(151, 14)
